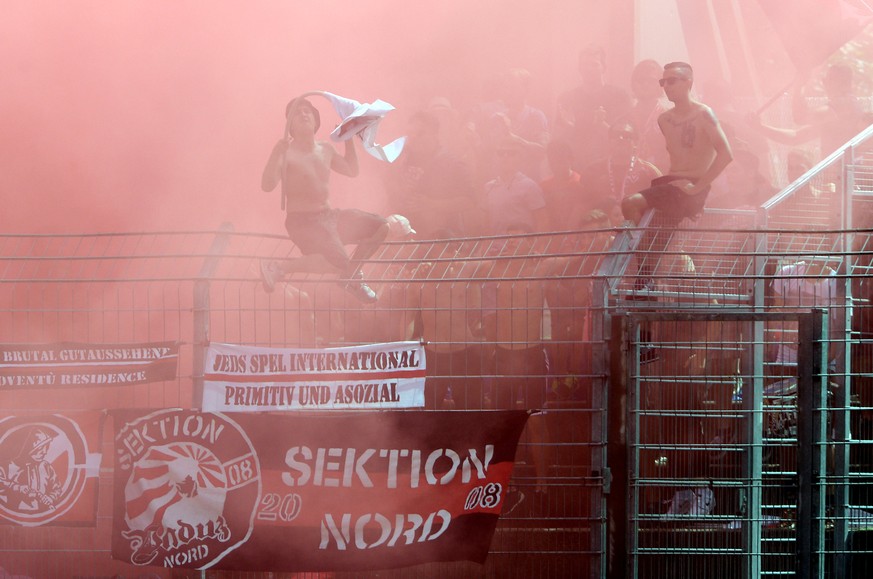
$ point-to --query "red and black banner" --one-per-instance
(73, 365)
(350, 491)
(49, 468)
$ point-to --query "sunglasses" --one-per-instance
(671, 80)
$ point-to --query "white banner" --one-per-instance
(251, 378)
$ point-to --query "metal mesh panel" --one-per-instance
(94, 289)
(506, 322)
(702, 480)
(694, 467)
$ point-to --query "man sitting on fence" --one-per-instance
(303, 165)
(699, 152)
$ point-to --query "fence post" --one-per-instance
(753, 411)
(619, 559)
(843, 395)
(201, 309)
(811, 444)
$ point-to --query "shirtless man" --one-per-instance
(698, 151)
(303, 165)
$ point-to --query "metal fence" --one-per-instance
(740, 350)
(706, 394)
(504, 322)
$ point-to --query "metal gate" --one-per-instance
(732, 467)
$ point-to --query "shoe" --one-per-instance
(269, 273)
(361, 291)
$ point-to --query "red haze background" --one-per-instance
(135, 115)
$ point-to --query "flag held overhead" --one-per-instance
(362, 120)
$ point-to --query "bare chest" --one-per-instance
(312, 164)
(684, 132)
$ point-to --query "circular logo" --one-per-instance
(189, 487)
(42, 468)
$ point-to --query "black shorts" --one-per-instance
(326, 232)
(672, 201)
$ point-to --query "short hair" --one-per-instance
(304, 103)
(682, 66)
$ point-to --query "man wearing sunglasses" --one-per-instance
(698, 151)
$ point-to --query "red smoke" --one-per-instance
(142, 115)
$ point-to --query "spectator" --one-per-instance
(512, 322)
(720, 98)
(585, 113)
(832, 124)
(513, 197)
(455, 136)
(512, 119)
(698, 150)
(619, 174)
(647, 107)
(802, 285)
(302, 164)
(391, 320)
(563, 191)
(428, 184)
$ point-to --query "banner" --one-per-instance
(69, 365)
(309, 492)
(49, 469)
(248, 378)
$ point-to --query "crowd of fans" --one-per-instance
(504, 332)
(507, 162)
(506, 167)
